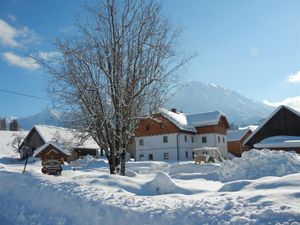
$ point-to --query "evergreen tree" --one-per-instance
(14, 126)
(2, 124)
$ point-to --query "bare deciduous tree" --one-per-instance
(17, 141)
(118, 66)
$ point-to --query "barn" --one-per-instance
(75, 142)
(280, 131)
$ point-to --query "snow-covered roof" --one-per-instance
(236, 135)
(251, 127)
(268, 118)
(279, 142)
(190, 121)
(65, 136)
(178, 118)
(54, 144)
(206, 149)
(204, 119)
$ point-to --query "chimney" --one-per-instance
(173, 110)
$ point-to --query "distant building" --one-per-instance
(280, 131)
(235, 139)
(75, 142)
(172, 135)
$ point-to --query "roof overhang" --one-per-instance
(279, 142)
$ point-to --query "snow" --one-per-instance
(251, 127)
(281, 141)
(9, 141)
(58, 146)
(265, 190)
(195, 96)
(269, 118)
(204, 119)
(65, 136)
(178, 118)
(189, 122)
(236, 135)
(255, 164)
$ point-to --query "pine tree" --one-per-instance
(14, 126)
(2, 124)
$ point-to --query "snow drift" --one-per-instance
(255, 164)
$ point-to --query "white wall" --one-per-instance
(154, 145)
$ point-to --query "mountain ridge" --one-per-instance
(191, 97)
(196, 96)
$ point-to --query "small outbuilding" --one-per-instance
(53, 156)
(235, 139)
(52, 150)
(280, 131)
(75, 142)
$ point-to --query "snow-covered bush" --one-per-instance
(162, 184)
(255, 164)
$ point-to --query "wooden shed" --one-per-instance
(52, 150)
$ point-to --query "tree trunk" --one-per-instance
(112, 165)
(123, 159)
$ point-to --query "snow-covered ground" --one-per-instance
(262, 187)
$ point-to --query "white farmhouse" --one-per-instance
(172, 135)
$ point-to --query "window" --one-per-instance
(185, 138)
(219, 139)
(223, 139)
(141, 142)
(193, 155)
(165, 139)
(161, 125)
(192, 139)
(186, 155)
(141, 156)
(204, 139)
(150, 157)
(166, 155)
(147, 127)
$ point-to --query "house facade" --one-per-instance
(172, 135)
(280, 131)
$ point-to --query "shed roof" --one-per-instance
(236, 135)
(65, 136)
(279, 142)
(57, 146)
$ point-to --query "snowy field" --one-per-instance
(261, 188)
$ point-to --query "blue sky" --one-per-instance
(252, 47)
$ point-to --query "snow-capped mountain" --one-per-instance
(47, 117)
(192, 97)
(195, 96)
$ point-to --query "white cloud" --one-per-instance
(8, 34)
(49, 55)
(15, 37)
(19, 61)
(293, 102)
(294, 78)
